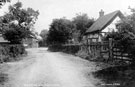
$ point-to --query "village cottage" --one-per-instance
(103, 25)
(32, 41)
(94, 36)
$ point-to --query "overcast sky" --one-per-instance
(50, 9)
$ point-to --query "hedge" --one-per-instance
(10, 52)
(71, 49)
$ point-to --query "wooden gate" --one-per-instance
(109, 50)
(118, 52)
(98, 49)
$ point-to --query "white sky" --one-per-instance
(50, 9)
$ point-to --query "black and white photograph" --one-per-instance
(67, 43)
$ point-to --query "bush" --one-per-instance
(11, 52)
(71, 49)
(55, 48)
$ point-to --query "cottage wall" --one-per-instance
(94, 38)
(112, 26)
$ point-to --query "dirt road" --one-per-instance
(50, 69)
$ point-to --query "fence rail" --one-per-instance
(109, 49)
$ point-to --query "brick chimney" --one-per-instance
(101, 13)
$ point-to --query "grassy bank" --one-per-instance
(118, 76)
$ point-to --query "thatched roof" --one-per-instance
(104, 21)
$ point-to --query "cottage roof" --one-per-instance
(104, 21)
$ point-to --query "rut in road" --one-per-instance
(51, 69)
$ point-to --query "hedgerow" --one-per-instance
(11, 52)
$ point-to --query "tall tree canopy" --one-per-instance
(60, 31)
(2, 2)
(63, 30)
(43, 34)
(18, 22)
(82, 23)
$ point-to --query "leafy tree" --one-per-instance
(2, 2)
(60, 31)
(16, 25)
(43, 34)
(82, 23)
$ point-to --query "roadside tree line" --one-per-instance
(16, 25)
(63, 30)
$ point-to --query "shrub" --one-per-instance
(10, 52)
(71, 49)
(55, 48)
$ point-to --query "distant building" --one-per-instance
(2, 40)
(31, 42)
(103, 25)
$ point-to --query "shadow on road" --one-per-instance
(3, 78)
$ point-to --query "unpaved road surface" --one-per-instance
(42, 68)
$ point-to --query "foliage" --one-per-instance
(16, 25)
(15, 33)
(2, 2)
(11, 52)
(71, 49)
(63, 30)
(125, 36)
(60, 31)
(43, 34)
(82, 23)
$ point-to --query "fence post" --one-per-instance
(110, 48)
(87, 46)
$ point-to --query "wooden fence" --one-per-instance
(119, 53)
(109, 50)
